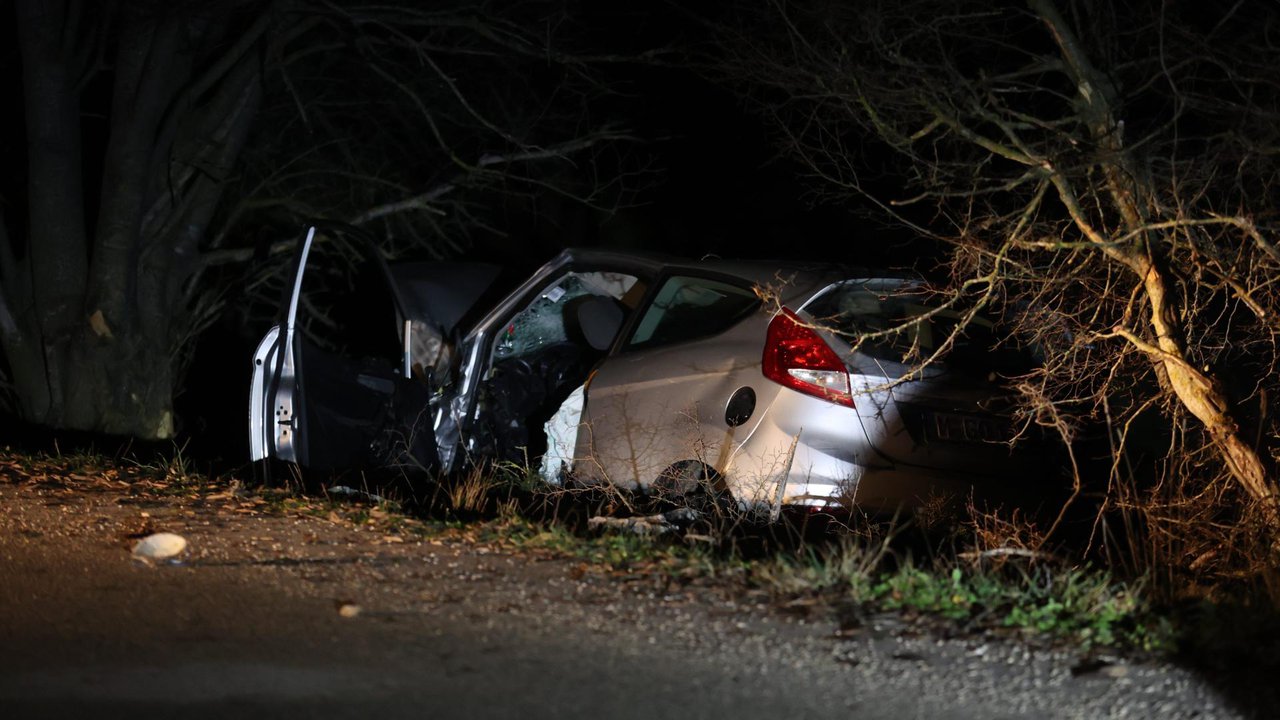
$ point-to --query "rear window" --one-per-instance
(687, 308)
(875, 317)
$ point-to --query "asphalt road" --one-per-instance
(250, 626)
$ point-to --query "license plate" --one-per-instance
(956, 427)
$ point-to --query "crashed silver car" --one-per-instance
(774, 385)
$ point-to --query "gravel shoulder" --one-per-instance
(272, 613)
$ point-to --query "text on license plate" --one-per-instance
(954, 427)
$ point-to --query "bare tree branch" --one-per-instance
(1103, 169)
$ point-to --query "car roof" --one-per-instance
(805, 277)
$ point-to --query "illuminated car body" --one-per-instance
(772, 384)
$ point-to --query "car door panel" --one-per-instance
(648, 409)
(523, 345)
(345, 405)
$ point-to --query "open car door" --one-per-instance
(344, 380)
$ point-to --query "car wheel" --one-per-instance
(689, 483)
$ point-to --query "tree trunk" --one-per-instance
(56, 263)
(1198, 391)
(93, 335)
(1202, 395)
(121, 386)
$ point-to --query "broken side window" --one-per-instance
(542, 323)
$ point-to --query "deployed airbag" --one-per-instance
(562, 436)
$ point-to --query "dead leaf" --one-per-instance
(99, 324)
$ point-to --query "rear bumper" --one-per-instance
(888, 489)
(830, 463)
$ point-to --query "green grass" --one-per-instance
(1079, 605)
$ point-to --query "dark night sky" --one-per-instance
(725, 188)
(721, 187)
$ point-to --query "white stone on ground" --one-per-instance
(160, 546)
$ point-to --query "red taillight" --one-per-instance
(796, 357)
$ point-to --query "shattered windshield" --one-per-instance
(542, 322)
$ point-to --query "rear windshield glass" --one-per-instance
(876, 319)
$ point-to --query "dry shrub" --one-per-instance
(938, 513)
(1192, 541)
(1000, 528)
(471, 493)
(997, 536)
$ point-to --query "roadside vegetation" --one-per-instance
(1092, 175)
(973, 576)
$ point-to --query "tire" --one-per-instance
(692, 484)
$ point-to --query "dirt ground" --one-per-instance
(275, 612)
